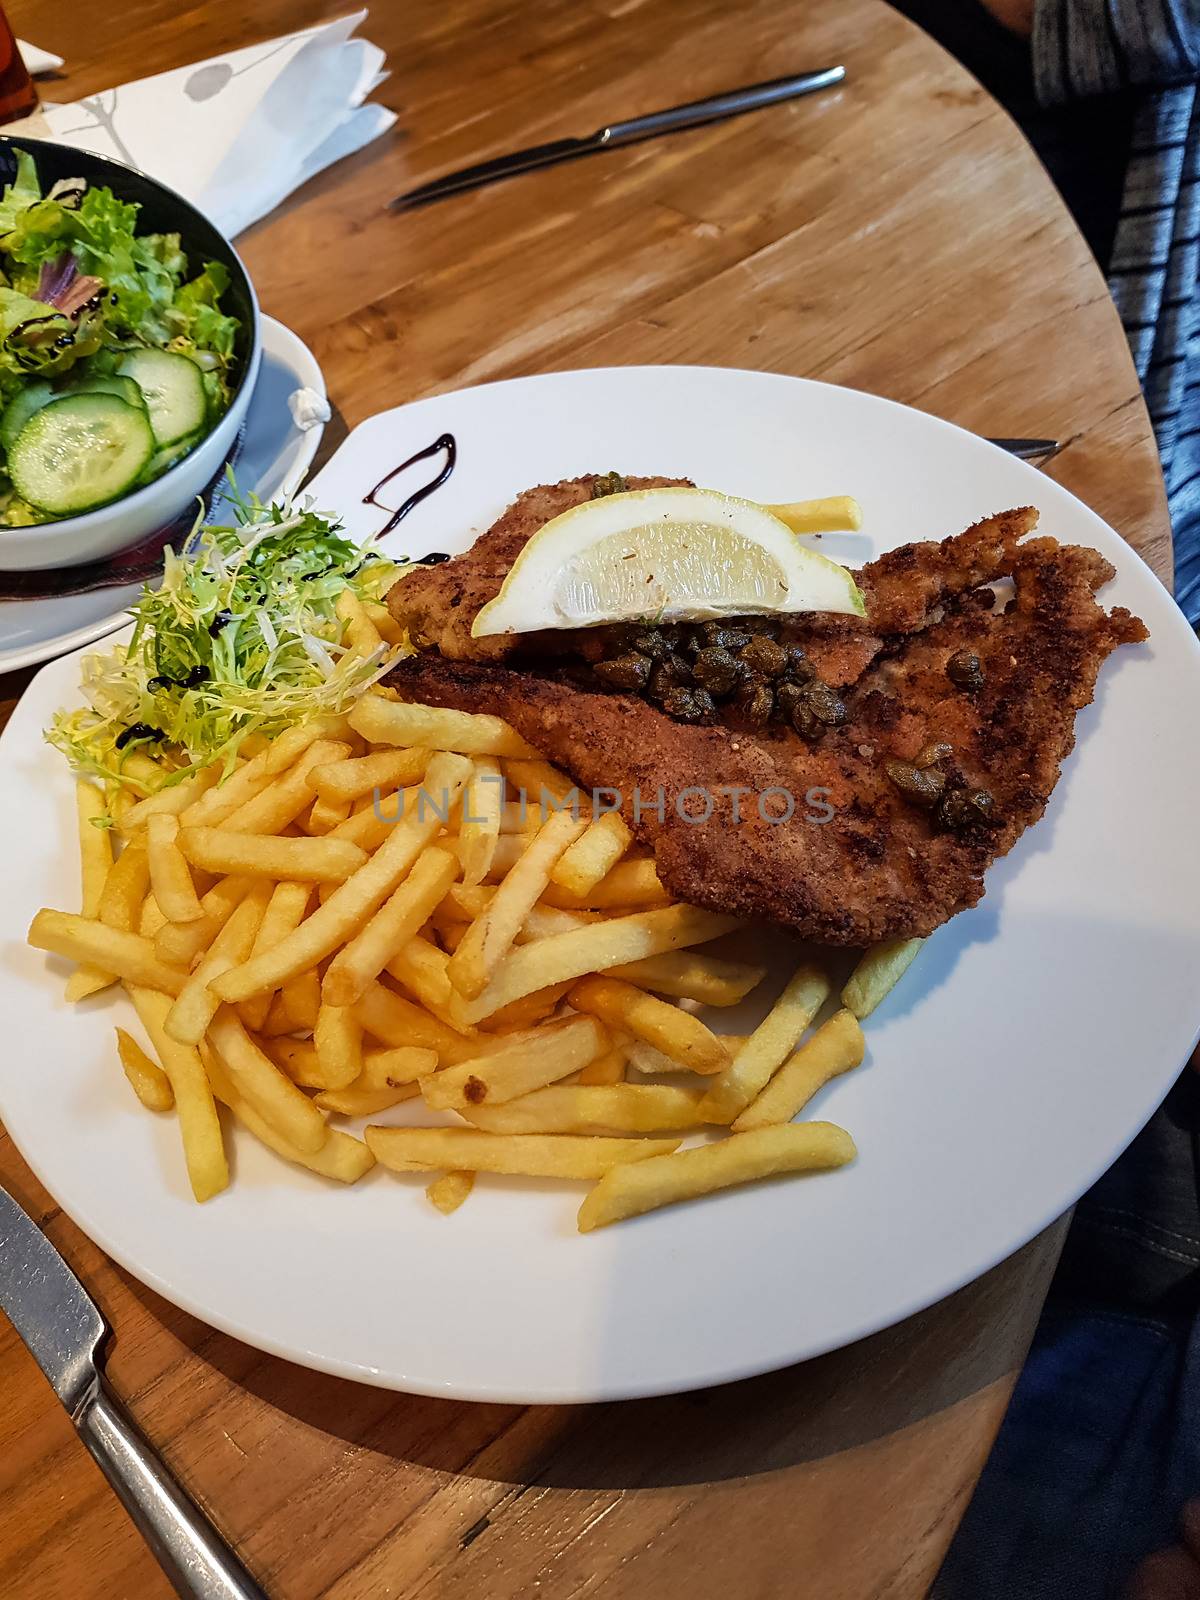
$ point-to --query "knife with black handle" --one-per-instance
(65, 1333)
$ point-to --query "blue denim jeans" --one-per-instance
(1101, 1444)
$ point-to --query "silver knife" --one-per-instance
(65, 1334)
(715, 109)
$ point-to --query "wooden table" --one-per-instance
(897, 236)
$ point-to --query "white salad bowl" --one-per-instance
(126, 521)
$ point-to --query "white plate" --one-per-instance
(1022, 1052)
(272, 458)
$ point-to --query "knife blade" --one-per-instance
(690, 115)
(63, 1330)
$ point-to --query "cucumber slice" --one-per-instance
(173, 390)
(124, 388)
(166, 457)
(80, 451)
(21, 407)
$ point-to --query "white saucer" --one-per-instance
(272, 459)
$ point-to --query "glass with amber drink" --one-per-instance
(18, 96)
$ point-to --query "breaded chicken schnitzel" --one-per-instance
(954, 716)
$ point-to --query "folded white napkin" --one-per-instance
(37, 60)
(239, 133)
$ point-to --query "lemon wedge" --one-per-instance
(667, 555)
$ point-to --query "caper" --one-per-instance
(651, 642)
(826, 704)
(729, 635)
(934, 754)
(764, 657)
(799, 668)
(606, 483)
(688, 705)
(965, 669)
(717, 669)
(673, 673)
(787, 697)
(755, 702)
(631, 671)
(922, 786)
(963, 809)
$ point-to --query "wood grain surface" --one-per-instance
(896, 235)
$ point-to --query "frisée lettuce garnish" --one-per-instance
(243, 637)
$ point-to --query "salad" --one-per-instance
(247, 635)
(114, 361)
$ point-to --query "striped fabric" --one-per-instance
(1085, 48)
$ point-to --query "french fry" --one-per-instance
(297, 1057)
(593, 856)
(836, 1047)
(492, 934)
(120, 803)
(525, 1012)
(877, 974)
(91, 943)
(676, 1033)
(389, 1069)
(139, 771)
(189, 1018)
(542, 787)
(267, 856)
(95, 845)
(287, 796)
(170, 876)
(338, 1039)
(834, 513)
(608, 1068)
(617, 1109)
(593, 949)
(644, 1058)
(551, 1053)
(287, 749)
(356, 1102)
(151, 922)
(355, 776)
(221, 801)
(383, 721)
(199, 1125)
(741, 1158)
(95, 865)
(397, 921)
(332, 924)
(146, 1078)
(390, 631)
(285, 912)
(341, 1157)
(181, 943)
(326, 814)
(173, 801)
(769, 1045)
(300, 1001)
(529, 1155)
(361, 633)
(395, 1021)
(419, 967)
(125, 887)
(687, 975)
(259, 1081)
(449, 1191)
(507, 852)
(482, 816)
(373, 819)
(543, 920)
(630, 883)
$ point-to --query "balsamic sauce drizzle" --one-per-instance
(449, 445)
